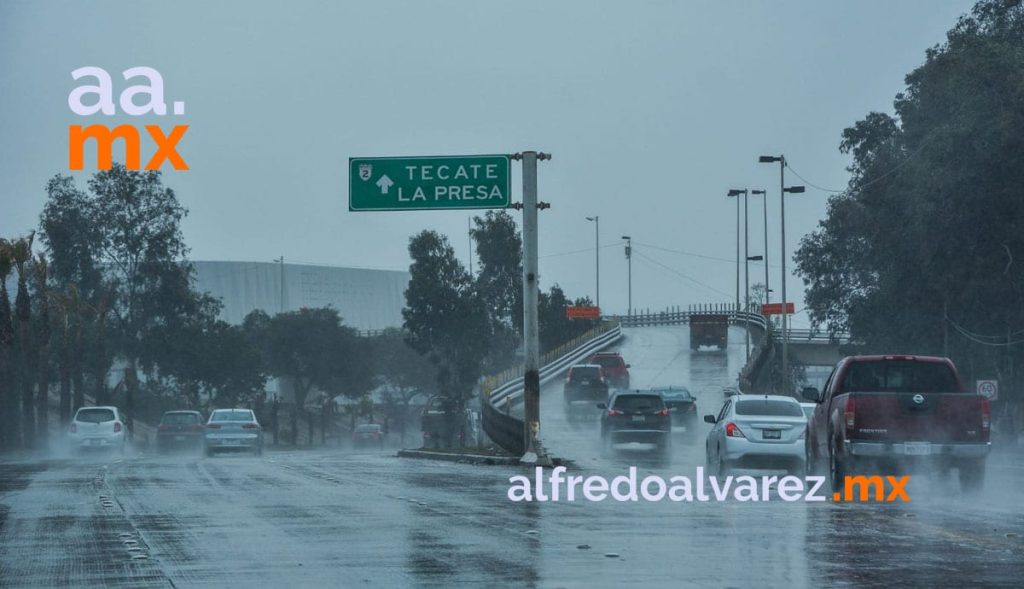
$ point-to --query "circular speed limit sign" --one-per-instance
(988, 389)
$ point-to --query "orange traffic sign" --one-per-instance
(776, 309)
(583, 312)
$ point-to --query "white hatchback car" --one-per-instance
(757, 432)
(100, 428)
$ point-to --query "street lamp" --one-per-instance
(768, 159)
(629, 264)
(764, 194)
(597, 259)
(746, 256)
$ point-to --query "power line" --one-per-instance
(681, 275)
(691, 254)
(589, 249)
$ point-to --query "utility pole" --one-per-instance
(597, 258)
(469, 232)
(767, 289)
(629, 279)
(531, 328)
(782, 253)
(746, 271)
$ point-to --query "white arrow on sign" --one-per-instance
(385, 184)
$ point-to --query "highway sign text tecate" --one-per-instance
(431, 182)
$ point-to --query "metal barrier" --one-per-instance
(497, 400)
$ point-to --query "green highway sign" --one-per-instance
(428, 183)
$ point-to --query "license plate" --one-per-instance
(771, 434)
(917, 448)
(230, 442)
(585, 382)
(639, 419)
(95, 442)
(179, 438)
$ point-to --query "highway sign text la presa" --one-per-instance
(428, 182)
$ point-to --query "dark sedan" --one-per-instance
(636, 417)
(180, 430)
(682, 405)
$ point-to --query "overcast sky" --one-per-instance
(652, 111)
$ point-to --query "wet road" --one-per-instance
(334, 518)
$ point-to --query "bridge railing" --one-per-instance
(500, 392)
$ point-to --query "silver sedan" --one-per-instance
(757, 432)
(233, 429)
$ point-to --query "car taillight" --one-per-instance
(803, 434)
(663, 412)
(250, 426)
(733, 431)
(986, 414)
(614, 412)
(197, 427)
(850, 414)
(163, 427)
(73, 428)
(117, 426)
(213, 426)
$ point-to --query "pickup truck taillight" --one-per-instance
(986, 415)
(850, 414)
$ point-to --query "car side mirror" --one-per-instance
(811, 394)
(709, 419)
(602, 406)
(628, 365)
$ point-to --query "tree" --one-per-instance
(42, 339)
(313, 350)
(11, 429)
(446, 319)
(499, 249)
(404, 375)
(922, 251)
(555, 327)
(24, 347)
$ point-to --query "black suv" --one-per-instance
(584, 382)
(636, 416)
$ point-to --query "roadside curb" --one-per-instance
(476, 458)
(463, 458)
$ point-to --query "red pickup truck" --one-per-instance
(894, 413)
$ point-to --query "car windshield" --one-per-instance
(180, 418)
(899, 376)
(581, 373)
(639, 403)
(95, 415)
(235, 415)
(769, 407)
(370, 428)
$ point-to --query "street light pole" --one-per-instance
(597, 259)
(782, 200)
(746, 260)
(767, 291)
(629, 265)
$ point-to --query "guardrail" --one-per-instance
(497, 399)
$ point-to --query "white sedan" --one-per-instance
(757, 432)
(97, 428)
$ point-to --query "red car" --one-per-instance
(614, 367)
(894, 413)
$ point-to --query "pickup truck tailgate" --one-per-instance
(925, 417)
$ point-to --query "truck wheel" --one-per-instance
(838, 469)
(972, 475)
